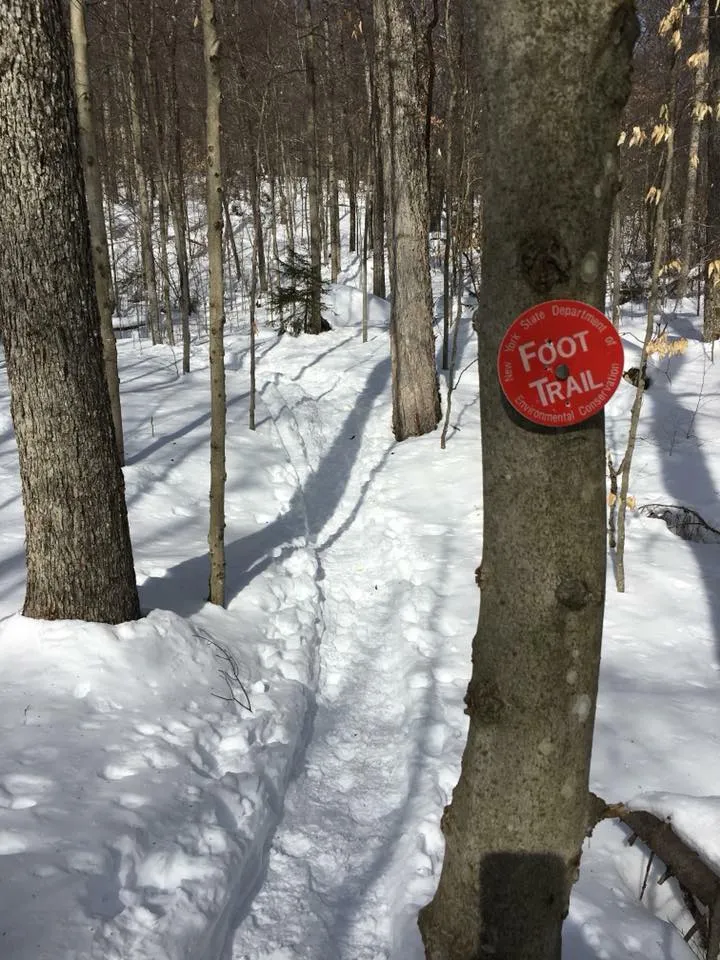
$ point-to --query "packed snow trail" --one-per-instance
(349, 865)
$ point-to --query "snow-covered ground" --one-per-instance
(266, 782)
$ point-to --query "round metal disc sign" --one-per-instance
(560, 362)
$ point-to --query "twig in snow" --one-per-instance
(230, 674)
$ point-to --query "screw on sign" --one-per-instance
(560, 362)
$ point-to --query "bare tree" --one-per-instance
(402, 96)
(699, 62)
(711, 319)
(96, 214)
(79, 558)
(556, 77)
(661, 199)
(145, 210)
(315, 323)
(216, 533)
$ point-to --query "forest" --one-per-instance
(359, 473)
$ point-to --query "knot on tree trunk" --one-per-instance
(545, 261)
(572, 593)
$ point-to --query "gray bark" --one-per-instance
(218, 412)
(416, 398)
(333, 186)
(660, 240)
(141, 180)
(96, 214)
(375, 201)
(79, 558)
(314, 324)
(176, 193)
(689, 218)
(616, 260)
(255, 199)
(556, 77)
(711, 316)
(157, 134)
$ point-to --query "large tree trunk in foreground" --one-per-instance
(79, 559)
(556, 77)
(416, 398)
(96, 214)
(218, 412)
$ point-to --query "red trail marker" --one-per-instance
(560, 362)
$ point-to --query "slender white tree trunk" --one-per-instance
(96, 214)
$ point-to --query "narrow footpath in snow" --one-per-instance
(359, 845)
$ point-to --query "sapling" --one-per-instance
(664, 131)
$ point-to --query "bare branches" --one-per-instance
(230, 672)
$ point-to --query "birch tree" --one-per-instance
(556, 76)
(78, 553)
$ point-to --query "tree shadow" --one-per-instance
(687, 477)
(175, 435)
(184, 587)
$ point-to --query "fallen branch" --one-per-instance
(693, 874)
(683, 521)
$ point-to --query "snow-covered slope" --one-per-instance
(146, 813)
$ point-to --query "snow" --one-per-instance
(146, 813)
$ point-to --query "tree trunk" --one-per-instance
(288, 190)
(233, 245)
(96, 215)
(616, 260)
(165, 265)
(253, 351)
(145, 209)
(157, 134)
(378, 218)
(255, 200)
(662, 213)
(178, 208)
(216, 532)
(333, 200)
(383, 133)
(556, 77)
(416, 398)
(711, 319)
(447, 297)
(110, 163)
(314, 323)
(352, 191)
(689, 218)
(79, 558)
(364, 266)
(430, 53)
